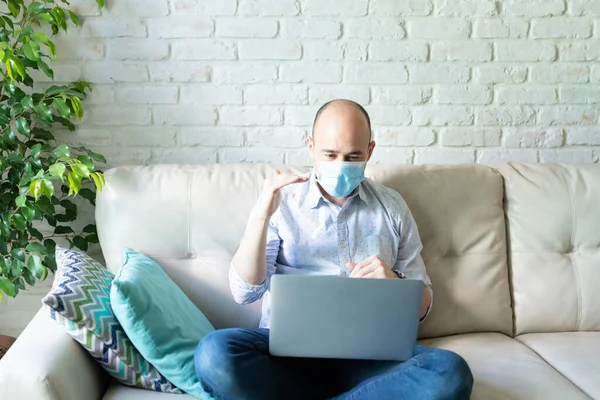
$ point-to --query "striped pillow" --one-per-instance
(80, 301)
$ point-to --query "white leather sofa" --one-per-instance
(513, 253)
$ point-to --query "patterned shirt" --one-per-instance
(310, 235)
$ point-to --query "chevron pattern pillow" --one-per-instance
(80, 301)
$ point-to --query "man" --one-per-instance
(331, 222)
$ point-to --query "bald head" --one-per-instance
(343, 112)
(341, 132)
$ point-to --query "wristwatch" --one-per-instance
(400, 274)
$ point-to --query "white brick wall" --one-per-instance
(241, 80)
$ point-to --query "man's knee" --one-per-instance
(212, 357)
(456, 370)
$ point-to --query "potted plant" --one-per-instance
(38, 177)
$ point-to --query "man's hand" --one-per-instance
(268, 201)
(372, 267)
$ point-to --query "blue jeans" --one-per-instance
(235, 364)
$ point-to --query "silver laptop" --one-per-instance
(337, 317)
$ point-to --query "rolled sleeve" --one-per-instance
(242, 291)
(246, 293)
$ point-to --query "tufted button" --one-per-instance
(191, 255)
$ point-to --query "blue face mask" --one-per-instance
(339, 179)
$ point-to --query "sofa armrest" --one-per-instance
(45, 363)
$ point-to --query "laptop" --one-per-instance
(338, 317)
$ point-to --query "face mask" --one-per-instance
(339, 179)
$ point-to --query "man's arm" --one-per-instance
(248, 272)
(409, 261)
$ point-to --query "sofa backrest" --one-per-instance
(553, 222)
(192, 218)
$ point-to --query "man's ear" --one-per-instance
(310, 143)
(371, 148)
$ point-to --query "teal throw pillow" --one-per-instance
(163, 324)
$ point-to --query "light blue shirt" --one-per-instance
(310, 235)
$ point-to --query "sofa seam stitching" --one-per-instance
(571, 191)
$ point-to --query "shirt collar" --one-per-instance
(314, 195)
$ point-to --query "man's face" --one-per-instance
(340, 134)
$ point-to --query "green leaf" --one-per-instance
(36, 149)
(43, 111)
(61, 230)
(45, 205)
(57, 170)
(35, 233)
(87, 161)
(10, 138)
(50, 245)
(7, 286)
(100, 3)
(46, 17)
(92, 238)
(17, 268)
(97, 157)
(23, 126)
(52, 48)
(88, 194)
(50, 261)
(40, 37)
(27, 102)
(35, 8)
(9, 22)
(68, 205)
(64, 218)
(36, 188)
(34, 264)
(19, 284)
(47, 188)
(9, 70)
(42, 134)
(98, 180)
(80, 242)
(46, 69)
(74, 17)
(14, 8)
(90, 228)
(19, 222)
(20, 200)
(32, 50)
(61, 107)
(28, 213)
(16, 65)
(16, 109)
(81, 169)
(63, 150)
(2, 54)
(77, 107)
(29, 278)
(18, 254)
(74, 182)
(35, 247)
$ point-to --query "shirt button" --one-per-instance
(342, 246)
(341, 215)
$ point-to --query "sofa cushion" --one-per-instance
(576, 355)
(160, 320)
(552, 214)
(117, 391)
(79, 300)
(199, 214)
(504, 368)
(460, 216)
